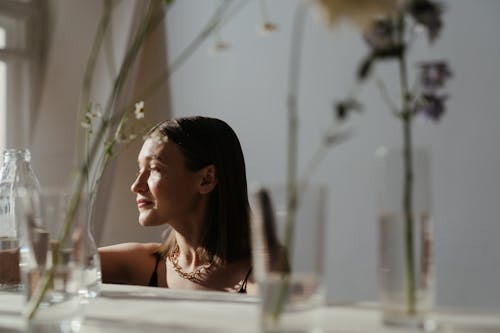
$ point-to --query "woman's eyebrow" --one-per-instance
(150, 158)
(155, 158)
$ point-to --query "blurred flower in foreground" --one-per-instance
(139, 110)
(432, 106)
(361, 12)
(427, 14)
(267, 27)
(434, 74)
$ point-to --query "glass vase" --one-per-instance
(92, 277)
(406, 240)
(52, 260)
(287, 254)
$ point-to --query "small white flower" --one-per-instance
(85, 124)
(139, 110)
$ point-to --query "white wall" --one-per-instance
(246, 86)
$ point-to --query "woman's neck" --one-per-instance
(188, 256)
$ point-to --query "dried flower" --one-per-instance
(361, 12)
(433, 75)
(380, 35)
(427, 14)
(389, 39)
(267, 27)
(432, 106)
(139, 110)
(93, 112)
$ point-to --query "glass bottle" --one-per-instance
(16, 173)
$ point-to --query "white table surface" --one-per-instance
(122, 308)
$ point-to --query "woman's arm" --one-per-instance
(128, 263)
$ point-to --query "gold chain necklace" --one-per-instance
(194, 276)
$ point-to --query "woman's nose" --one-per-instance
(139, 185)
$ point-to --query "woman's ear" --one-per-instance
(208, 179)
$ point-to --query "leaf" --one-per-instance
(345, 107)
(365, 67)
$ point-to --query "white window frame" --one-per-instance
(23, 56)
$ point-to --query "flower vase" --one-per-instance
(92, 279)
(52, 257)
(288, 258)
(405, 244)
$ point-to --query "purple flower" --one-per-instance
(380, 35)
(428, 14)
(433, 75)
(432, 106)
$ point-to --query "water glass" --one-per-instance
(52, 260)
(288, 252)
(406, 241)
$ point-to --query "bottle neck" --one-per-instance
(17, 169)
(16, 155)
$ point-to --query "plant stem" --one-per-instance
(292, 151)
(48, 276)
(407, 180)
(88, 76)
(150, 21)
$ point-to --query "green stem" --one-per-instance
(149, 22)
(48, 276)
(162, 78)
(89, 72)
(292, 199)
(407, 181)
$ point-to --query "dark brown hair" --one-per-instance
(204, 141)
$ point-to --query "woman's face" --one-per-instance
(166, 190)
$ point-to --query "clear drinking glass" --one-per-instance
(52, 251)
(92, 276)
(288, 258)
(406, 259)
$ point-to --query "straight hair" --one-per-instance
(204, 141)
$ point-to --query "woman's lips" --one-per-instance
(142, 203)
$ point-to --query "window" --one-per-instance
(21, 36)
(3, 91)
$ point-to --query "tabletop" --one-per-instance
(123, 308)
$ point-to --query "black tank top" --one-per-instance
(153, 280)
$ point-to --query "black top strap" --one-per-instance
(243, 288)
(153, 280)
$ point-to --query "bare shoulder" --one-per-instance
(127, 263)
(142, 248)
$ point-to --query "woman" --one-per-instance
(192, 177)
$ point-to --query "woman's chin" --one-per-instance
(149, 221)
(145, 219)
